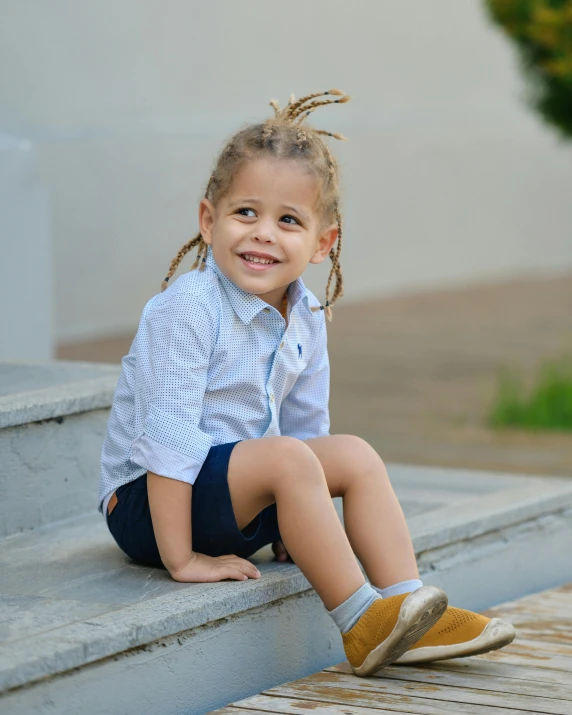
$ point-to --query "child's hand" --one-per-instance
(203, 569)
(280, 551)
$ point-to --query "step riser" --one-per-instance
(50, 470)
(198, 670)
(504, 564)
(206, 668)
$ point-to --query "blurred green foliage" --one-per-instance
(542, 31)
(548, 406)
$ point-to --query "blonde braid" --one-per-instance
(335, 135)
(196, 241)
(334, 254)
(301, 138)
(268, 130)
(335, 270)
(339, 287)
(315, 104)
(294, 108)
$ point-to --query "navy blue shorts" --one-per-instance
(214, 528)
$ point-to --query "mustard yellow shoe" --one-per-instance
(390, 626)
(458, 634)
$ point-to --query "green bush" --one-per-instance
(548, 406)
(542, 31)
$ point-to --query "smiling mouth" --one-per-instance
(254, 260)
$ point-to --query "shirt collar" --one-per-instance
(248, 305)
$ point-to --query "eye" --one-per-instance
(290, 217)
(240, 211)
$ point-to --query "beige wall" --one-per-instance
(447, 177)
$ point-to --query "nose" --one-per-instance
(264, 232)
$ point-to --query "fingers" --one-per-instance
(202, 569)
(280, 551)
(244, 568)
(234, 574)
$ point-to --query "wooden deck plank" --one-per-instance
(544, 617)
(538, 646)
(534, 653)
(291, 706)
(541, 611)
(462, 679)
(543, 630)
(325, 681)
(420, 705)
(479, 666)
(531, 675)
(556, 603)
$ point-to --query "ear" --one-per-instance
(325, 242)
(206, 220)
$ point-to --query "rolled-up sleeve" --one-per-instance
(304, 413)
(175, 340)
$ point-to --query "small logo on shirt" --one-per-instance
(299, 350)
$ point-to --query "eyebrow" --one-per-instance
(283, 206)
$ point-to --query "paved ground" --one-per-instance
(532, 675)
(415, 375)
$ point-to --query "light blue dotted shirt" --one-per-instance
(211, 364)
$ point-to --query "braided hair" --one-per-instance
(283, 136)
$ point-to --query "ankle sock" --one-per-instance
(398, 588)
(347, 614)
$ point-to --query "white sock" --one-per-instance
(348, 613)
(398, 588)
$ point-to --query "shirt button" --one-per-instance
(272, 397)
(281, 345)
(266, 310)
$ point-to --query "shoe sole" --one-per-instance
(418, 613)
(497, 634)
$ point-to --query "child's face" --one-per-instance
(270, 210)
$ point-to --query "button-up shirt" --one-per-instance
(212, 364)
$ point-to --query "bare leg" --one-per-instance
(373, 517)
(286, 471)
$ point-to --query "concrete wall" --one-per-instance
(448, 177)
(26, 263)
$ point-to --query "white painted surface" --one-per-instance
(26, 270)
(448, 177)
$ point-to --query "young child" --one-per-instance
(218, 439)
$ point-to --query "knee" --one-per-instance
(295, 461)
(359, 457)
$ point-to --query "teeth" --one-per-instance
(256, 259)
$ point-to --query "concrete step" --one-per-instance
(86, 630)
(53, 418)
